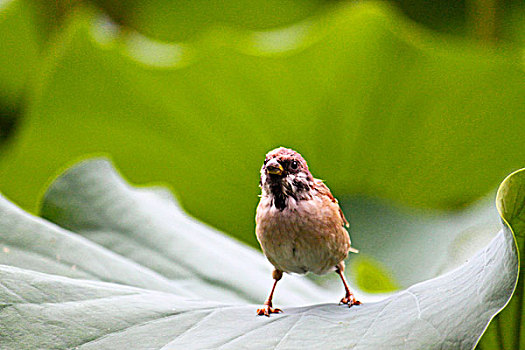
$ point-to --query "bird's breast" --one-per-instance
(305, 236)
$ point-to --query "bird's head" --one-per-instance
(285, 173)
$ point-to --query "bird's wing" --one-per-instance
(323, 189)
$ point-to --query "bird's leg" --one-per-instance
(268, 309)
(349, 297)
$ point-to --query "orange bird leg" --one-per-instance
(349, 297)
(268, 309)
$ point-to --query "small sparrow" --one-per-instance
(299, 223)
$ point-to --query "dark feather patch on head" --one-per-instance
(294, 181)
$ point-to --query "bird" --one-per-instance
(299, 223)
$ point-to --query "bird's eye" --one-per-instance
(294, 164)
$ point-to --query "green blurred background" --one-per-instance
(420, 102)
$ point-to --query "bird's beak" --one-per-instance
(273, 167)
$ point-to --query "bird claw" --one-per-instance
(266, 311)
(349, 300)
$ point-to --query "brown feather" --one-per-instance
(323, 189)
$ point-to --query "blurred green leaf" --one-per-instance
(181, 20)
(371, 276)
(445, 15)
(375, 105)
(19, 50)
(43, 311)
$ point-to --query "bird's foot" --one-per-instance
(267, 310)
(349, 300)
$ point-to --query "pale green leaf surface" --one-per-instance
(413, 245)
(449, 311)
(32, 243)
(40, 311)
(507, 331)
